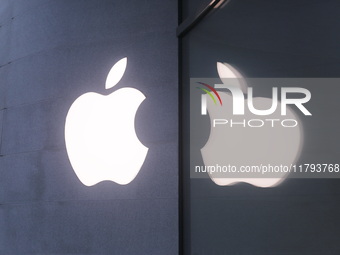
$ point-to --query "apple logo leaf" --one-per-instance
(226, 71)
(116, 73)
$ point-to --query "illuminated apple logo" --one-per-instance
(244, 145)
(100, 136)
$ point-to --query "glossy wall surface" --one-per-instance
(281, 39)
(51, 52)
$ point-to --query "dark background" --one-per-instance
(263, 38)
(51, 52)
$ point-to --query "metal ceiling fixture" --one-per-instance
(192, 21)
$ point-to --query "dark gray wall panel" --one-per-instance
(269, 39)
(5, 36)
(2, 233)
(3, 86)
(1, 124)
(58, 23)
(51, 53)
(91, 227)
(270, 222)
(5, 11)
(46, 175)
(32, 127)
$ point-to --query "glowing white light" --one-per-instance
(226, 71)
(100, 136)
(246, 146)
(116, 73)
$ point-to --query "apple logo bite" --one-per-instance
(243, 145)
(100, 136)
